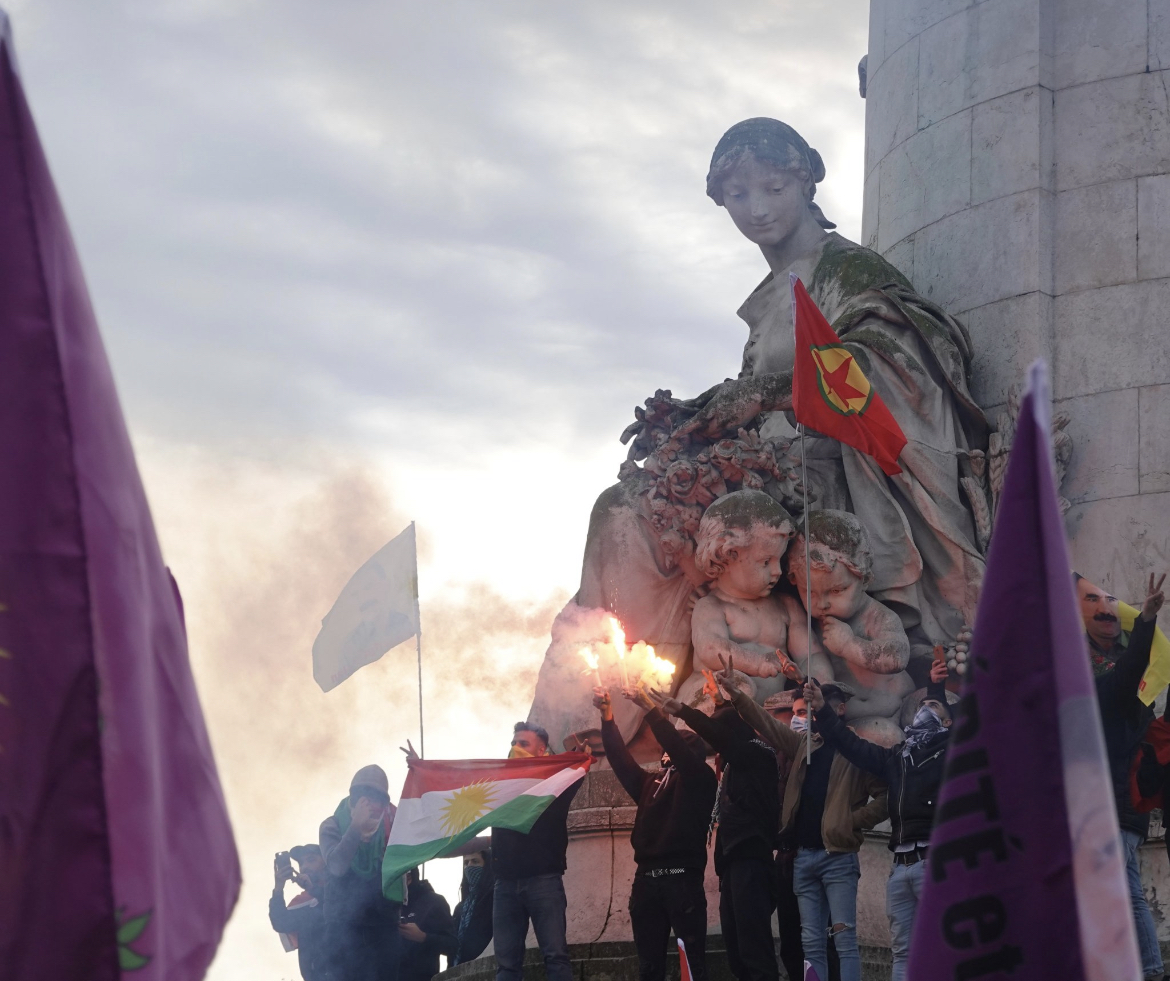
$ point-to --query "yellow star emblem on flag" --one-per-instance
(842, 383)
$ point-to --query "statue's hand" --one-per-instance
(733, 404)
(837, 635)
(789, 667)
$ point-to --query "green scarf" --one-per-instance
(367, 861)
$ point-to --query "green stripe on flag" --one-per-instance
(518, 814)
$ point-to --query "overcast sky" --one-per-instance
(360, 263)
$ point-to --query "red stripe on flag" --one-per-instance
(429, 776)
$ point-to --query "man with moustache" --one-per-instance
(1119, 659)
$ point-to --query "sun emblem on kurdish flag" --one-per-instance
(466, 805)
(841, 380)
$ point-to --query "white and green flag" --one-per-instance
(377, 610)
(447, 802)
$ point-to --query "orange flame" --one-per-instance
(619, 643)
(592, 664)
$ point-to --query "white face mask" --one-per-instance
(799, 723)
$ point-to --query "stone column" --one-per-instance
(1018, 171)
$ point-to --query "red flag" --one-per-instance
(684, 965)
(117, 852)
(830, 392)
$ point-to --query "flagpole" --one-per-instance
(422, 747)
(807, 591)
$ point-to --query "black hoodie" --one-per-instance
(429, 910)
(749, 796)
(674, 805)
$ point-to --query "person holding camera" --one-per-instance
(301, 923)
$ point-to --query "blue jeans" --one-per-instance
(903, 890)
(540, 899)
(826, 890)
(1147, 934)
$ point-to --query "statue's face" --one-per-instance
(756, 566)
(766, 204)
(838, 593)
(1099, 613)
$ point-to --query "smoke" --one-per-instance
(260, 554)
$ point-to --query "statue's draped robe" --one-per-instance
(927, 564)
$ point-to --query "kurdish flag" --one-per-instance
(447, 802)
(830, 392)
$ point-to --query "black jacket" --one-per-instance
(670, 829)
(420, 961)
(542, 850)
(1124, 719)
(473, 939)
(913, 783)
(749, 796)
(308, 923)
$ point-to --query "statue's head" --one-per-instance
(741, 540)
(840, 563)
(766, 175)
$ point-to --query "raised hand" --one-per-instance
(939, 671)
(813, 695)
(639, 697)
(365, 816)
(408, 749)
(1154, 598)
(726, 677)
(602, 703)
(671, 706)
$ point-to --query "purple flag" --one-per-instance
(1025, 875)
(116, 852)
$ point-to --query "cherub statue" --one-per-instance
(855, 638)
(740, 543)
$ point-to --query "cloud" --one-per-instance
(296, 217)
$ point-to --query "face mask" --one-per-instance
(519, 753)
(798, 724)
(925, 716)
(926, 725)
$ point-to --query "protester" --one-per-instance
(1119, 660)
(361, 924)
(747, 813)
(789, 709)
(913, 772)
(827, 806)
(426, 929)
(529, 885)
(669, 837)
(473, 914)
(302, 921)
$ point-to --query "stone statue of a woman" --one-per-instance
(928, 561)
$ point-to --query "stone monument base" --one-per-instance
(617, 961)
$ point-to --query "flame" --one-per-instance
(590, 659)
(619, 637)
(659, 668)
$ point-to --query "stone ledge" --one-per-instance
(619, 962)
